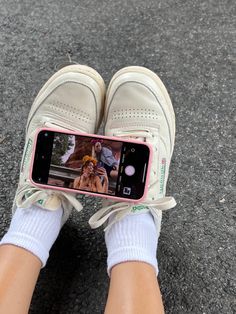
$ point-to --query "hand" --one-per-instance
(102, 172)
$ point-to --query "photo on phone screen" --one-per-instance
(91, 164)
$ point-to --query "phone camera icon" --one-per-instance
(126, 190)
(46, 134)
(132, 150)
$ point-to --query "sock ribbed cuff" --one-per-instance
(34, 229)
(134, 238)
(27, 242)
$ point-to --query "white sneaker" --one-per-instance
(72, 99)
(138, 106)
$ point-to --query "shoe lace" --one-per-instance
(121, 209)
(59, 126)
(29, 195)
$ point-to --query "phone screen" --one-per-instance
(91, 164)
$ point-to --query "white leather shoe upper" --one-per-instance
(138, 103)
(138, 106)
(72, 99)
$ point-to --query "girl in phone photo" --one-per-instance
(105, 158)
(89, 180)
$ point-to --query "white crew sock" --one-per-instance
(134, 238)
(34, 229)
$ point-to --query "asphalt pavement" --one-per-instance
(190, 45)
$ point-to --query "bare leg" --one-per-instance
(134, 289)
(129, 237)
(24, 249)
(19, 270)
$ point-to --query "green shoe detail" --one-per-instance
(27, 154)
(163, 173)
(138, 208)
(40, 202)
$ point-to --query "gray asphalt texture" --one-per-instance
(189, 44)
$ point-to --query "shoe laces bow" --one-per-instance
(48, 199)
(122, 209)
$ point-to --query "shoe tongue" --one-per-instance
(60, 126)
(139, 135)
(141, 139)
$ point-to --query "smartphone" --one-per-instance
(91, 164)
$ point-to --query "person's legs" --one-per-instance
(71, 99)
(23, 251)
(137, 107)
(19, 270)
(132, 265)
(134, 289)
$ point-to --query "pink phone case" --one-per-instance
(51, 187)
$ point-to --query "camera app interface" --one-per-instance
(85, 163)
(95, 165)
